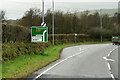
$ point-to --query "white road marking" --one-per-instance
(109, 63)
(112, 76)
(111, 52)
(58, 64)
(108, 59)
(80, 49)
(109, 66)
(105, 58)
(67, 59)
(111, 60)
(108, 54)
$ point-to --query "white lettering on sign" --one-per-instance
(37, 38)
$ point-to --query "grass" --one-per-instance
(0, 59)
(26, 64)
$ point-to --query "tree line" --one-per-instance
(70, 23)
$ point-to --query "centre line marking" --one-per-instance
(109, 66)
(112, 76)
(111, 52)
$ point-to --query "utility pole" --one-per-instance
(43, 11)
(118, 17)
(43, 21)
(53, 20)
(101, 23)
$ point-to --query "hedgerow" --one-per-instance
(11, 50)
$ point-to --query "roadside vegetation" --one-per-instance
(26, 64)
(20, 57)
(13, 50)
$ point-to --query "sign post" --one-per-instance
(43, 20)
(39, 34)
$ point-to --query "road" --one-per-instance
(83, 62)
(114, 64)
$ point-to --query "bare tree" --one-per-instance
(2, 16)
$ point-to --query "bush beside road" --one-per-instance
(13, 50)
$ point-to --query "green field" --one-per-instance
(26, 64)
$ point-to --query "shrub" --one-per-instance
(13, 50)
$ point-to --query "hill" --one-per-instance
(110, 12)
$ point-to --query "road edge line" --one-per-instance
(57, 64)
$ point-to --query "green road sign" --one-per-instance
(39, 34)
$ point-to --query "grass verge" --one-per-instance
(26, 64)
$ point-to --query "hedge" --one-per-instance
(17, 33)
(13, 50)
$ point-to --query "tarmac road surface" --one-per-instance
(83, 62)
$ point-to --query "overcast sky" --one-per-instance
(63, 0)
(16, 8)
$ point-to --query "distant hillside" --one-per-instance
(12, 21)
(110, 12)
